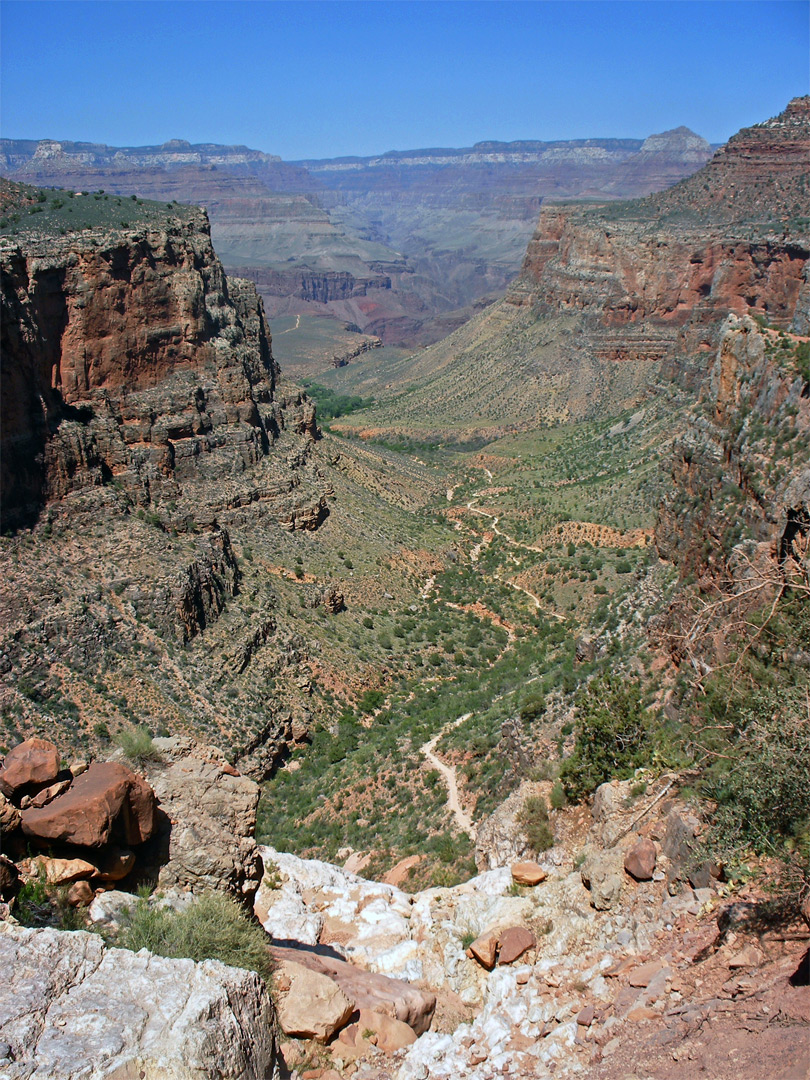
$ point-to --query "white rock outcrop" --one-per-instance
(73, 1009)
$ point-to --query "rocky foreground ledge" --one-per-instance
(616, 946)
(70, 1007)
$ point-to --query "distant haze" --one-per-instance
(317, 80)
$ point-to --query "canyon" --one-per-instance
(548, 589)
(401, 247)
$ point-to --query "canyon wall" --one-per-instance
(128, 357)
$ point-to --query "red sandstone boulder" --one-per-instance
(80, 894)
(9, 878)
(639, 862)
(107, 802)
(34, 761)
(528, 873)
(513, 943)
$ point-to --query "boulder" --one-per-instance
(639, 862)
(513, 943)
(9, 878)
(108, 909)
(70, 1007)
(309, 1005)
(332, 599)
(62, 871)
(379, 1030)
(10, 818)
(528, 873)
(106, 802)
(207, 837)
(30, 763)
(114, 864)
(484, 949)
(367, 989)
(603, 873)
(80, 894)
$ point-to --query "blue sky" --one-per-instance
(320, 79)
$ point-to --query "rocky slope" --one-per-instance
(610, 298)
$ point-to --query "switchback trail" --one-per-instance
(448, 774)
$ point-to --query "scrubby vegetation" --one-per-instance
(213, 928)
(613, 736)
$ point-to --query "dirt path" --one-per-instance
(290, 328)
(448, 774)
(493, 524)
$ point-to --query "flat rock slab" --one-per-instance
(485, 950)
(107, 800)
(513, 943)
(367, 989)
(71, 1008)
(33, 762)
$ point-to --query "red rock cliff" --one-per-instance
(129, 356)
(656, 275)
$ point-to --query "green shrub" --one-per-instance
(138, 746)
(761, 782)
(611, 736)
(533, 706)
(558, 797)
(214, 928)
(533, 820)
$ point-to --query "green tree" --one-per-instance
(611, 736)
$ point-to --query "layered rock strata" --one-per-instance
(130, 358)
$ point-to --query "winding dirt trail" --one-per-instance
(448, 774)
(493, 524)
(291, 328)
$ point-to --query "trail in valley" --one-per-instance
(290, 328)
(493, 524)
(448, 774)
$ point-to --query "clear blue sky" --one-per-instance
(320, 79)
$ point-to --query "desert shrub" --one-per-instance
(611, 736)
(802, 356)
(213, 928)
(533, 820)
(138, 746)
(558, 798)
(533, 706)
(761, 781)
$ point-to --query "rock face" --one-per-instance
(655, 276)
(145, 431)
(208, 821)
(754, 403)
(70, 1008)
(128, 356)
(108, 802)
